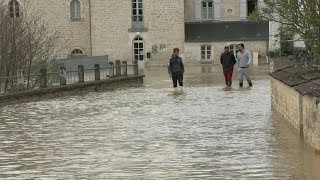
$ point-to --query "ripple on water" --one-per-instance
(201, 132)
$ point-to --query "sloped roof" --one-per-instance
(226, 31)
(305, 80)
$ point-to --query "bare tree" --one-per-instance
(27, 42)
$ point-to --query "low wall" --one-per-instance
(311, 121)
(286, 101)
(73, 89)
(301, 111)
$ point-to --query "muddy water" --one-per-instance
(204, 131)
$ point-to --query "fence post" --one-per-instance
(118, 68)
(135, 67)
(63, 76)
(81, 73)
(20, 80)
(97, 72)
(43, 78)
(124, 68)
(111, 69)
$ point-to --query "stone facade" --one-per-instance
(193, 50)
(311, 121)
(225, 15)
(164, 24)
(105, 27)
(56, 14)
(286, 101)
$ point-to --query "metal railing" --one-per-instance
(62, 77)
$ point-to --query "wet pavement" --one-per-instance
(205, 131)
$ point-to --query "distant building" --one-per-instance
(149, 29)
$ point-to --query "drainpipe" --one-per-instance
(90, 28)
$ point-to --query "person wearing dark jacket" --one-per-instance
(176, 68)
(228, 61)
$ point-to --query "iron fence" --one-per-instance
(61, 77)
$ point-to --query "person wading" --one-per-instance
(176, 68)
(228, 61)
(244, 59)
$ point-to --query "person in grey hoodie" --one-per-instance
(244, 59)
(176, 68)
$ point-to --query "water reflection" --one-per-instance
(201, 131)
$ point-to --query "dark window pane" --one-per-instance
(135, 45)
(136, 51)
(210, 4)
(141, 45)
(140, 12)
(204, 4)
(136, 57)
(141, 57)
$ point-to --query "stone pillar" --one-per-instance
(255, 58)
(81, 73)
(97, 72)
(124, 68)
(63, 76)
(20, 80)
(111, 69)
(141, 67)
(118, 68)
(135, 68)
(43, 78)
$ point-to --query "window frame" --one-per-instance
(137, 14)
(205, 15)
(74, 54)
(14, 8)
(204, 49)
(75, 10)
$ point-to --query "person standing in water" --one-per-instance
(227, 61)
(176, 68)
(244, 59)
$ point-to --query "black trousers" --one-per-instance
(177, 78)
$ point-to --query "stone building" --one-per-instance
(149, 29)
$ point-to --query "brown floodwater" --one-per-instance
(203, 131)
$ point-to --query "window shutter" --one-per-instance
(197, 10)
(217, 12)
(243, 10)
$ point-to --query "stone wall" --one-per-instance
(113, 34)
(286, 101)
(193, 50)
(311, 121)
(301, 111)
(56, 14)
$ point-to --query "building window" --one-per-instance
(206, 52)
(77, 52)
(138, 49)
(14, 8)
(207, 10)
(251, 6)
(234, 49)
(137, 14)
(75, 10)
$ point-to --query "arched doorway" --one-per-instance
(138, 49)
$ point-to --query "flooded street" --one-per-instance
(204, 131)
